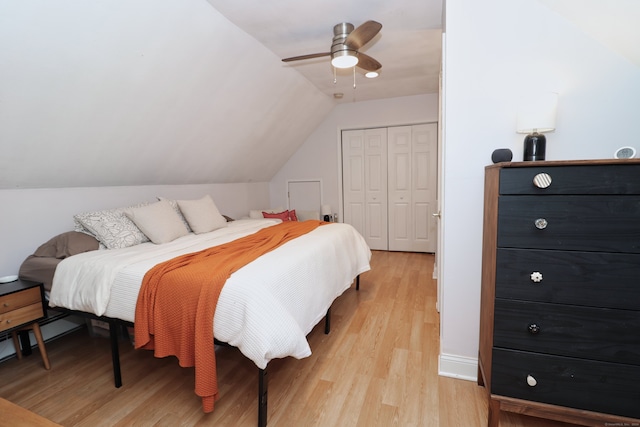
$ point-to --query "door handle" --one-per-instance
(436, 215)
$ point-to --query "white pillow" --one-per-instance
(158, 221)
(202, 214)
(111, 227)
(174, 205)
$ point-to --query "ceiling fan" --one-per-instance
(344, 48)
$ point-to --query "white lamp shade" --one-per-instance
(537, 113)
(326, 209)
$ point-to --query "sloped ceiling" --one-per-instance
(121, 92)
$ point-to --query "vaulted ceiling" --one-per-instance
(121, 92)
(124, 92)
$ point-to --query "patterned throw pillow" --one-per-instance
(111, 227)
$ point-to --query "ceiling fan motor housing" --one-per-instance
(340, 33)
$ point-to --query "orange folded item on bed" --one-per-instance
(177, 301)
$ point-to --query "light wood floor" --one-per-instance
(378, 367)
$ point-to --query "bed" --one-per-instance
(265, 309)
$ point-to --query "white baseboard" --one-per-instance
(465, 368)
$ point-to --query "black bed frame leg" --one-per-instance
(358, 282)
(327, 322)
(262, 397)
(115, 354)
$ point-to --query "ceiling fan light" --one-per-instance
(344, 59)
(371, 74)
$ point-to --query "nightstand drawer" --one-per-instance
(595, 279)
(579, 223)
(581, 179)
(20, 299)
(21, 316)
(610, 388)
(599, 333)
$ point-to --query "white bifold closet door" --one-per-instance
(364, 177)
(389, 186)
(412, 188)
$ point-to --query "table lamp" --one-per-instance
(536, 115)
(326, 212)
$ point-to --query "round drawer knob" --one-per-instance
(531, 381)
(534, 328)
(541, 223)
(542, 180)
(536, 277)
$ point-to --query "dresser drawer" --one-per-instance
(21, 316)
(577, 179)
(16, 300)
(582, 223)
(596, 279)
(605, 387)
(597, 333)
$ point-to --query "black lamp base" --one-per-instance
(535, 145)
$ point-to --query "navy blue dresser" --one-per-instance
(560, 315)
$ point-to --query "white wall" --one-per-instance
(318, 157)
(30, 217)
(495, 50)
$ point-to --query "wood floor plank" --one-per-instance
(377, 367)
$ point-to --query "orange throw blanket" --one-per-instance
(177, 301)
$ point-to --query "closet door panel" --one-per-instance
(424, 186)
(364, 175)
(400, 184)
(375, 149)
(376, 232)
(353, 160)
(422, 234)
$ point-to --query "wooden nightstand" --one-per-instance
(21, 306)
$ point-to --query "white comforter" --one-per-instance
(266, 309)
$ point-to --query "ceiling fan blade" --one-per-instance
(368, 63)
(312, 55)
(363, 34)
